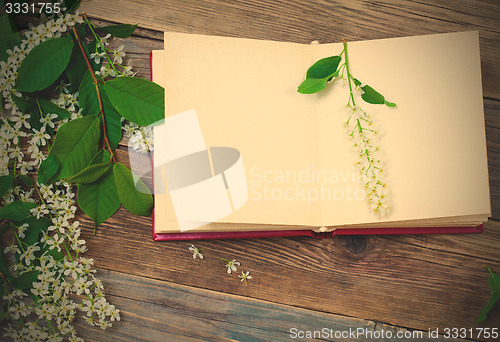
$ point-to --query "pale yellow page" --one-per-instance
(434, 140)
(244, 94)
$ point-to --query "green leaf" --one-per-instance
(25, 104)
(389, 104)
(370, 95)
(48, 168)
(99, 200)
(3, 267)
(35, 227)
(35, 117)
(70, 5)
(76, 68)
(136, 99)
(101, 157)
(5, 184)
(49, 107)
(357, 82)
(120, 30)
(17, 210)
(312, 85)
(325, 67)
(90, 174)
(87, 96)
(25, 280)
(10, 35)
(137, 202)
(113, 120)
(494, 282)
(75, 144)
(44, 64)
(26, 180)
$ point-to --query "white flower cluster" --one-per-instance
(62, 273)
(108, 67)
(363, 135)
(141, 138)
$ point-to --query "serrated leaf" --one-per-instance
(17, 210)
(44, 64)
(26, 180)
(35, 117)
(101, 157)
(25, 104)
(113, 120)
(49, 107)
(324, 67)
(136, 99)
(99, 200)
(494, 282)
(25, 280)
(48, 168)
(35, 227)
(87, 96)
(76, 68)
(5, 184)
(312, 85)
(120, 30)
(75, 144)
(370, 95)
(90, 174)
(389, 104)
(137, 202)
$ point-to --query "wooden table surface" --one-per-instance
(395, 283)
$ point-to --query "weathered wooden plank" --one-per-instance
(386, 279)
(153, 310)
(317, 20)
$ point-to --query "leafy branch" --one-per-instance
(359, 125)
(52, 60)
(99, 99)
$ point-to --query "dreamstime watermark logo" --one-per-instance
(204, 184)
(307, 184)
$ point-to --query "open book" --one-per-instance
(241, 150)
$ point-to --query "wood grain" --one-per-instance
(325, 21)
(153, 310)
(390, 279)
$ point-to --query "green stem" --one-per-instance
(351, 95)
(99, 99)
(39, 107)
(96, 36)
(19, 242)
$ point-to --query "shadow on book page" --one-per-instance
(204, 183)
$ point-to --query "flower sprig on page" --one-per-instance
(359, 125)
